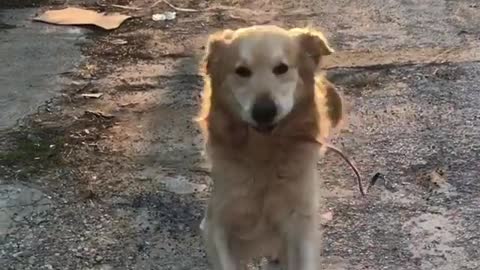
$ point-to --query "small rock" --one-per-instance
(327, 217)
(18, 254)
(104, 267)
(31, 260)
(98, 258)
(167, 16)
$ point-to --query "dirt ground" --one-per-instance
(118, 182)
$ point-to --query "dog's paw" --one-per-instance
(202, 225)
(273, 265)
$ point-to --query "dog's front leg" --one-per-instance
(218, 251)
(302, 243)
(274, 265)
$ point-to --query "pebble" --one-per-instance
(31, 260)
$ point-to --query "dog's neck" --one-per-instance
(228, 130)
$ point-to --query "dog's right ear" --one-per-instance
(216, 45)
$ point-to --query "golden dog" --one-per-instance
(264, 104)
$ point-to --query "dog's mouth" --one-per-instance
(264, 129)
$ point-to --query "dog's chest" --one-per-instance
(255, 196)
(257, 206)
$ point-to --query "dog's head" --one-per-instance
(261, 73)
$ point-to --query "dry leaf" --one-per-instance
(78, 16)
(438, 178)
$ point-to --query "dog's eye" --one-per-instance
(280, 69)
(243, 72)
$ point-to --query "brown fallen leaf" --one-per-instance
(435, 179)
(78, 16)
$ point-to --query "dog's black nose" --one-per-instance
(264, 111)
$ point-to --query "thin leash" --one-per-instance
(339, 152)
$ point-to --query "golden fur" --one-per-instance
(265, 198)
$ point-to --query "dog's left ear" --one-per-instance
(313, 43)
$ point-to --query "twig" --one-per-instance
(438, 56)
(180, 9)
(329, 146)
(118, 6)
(174, 7)
(156, 3)
(126, 7)
(355, 170)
